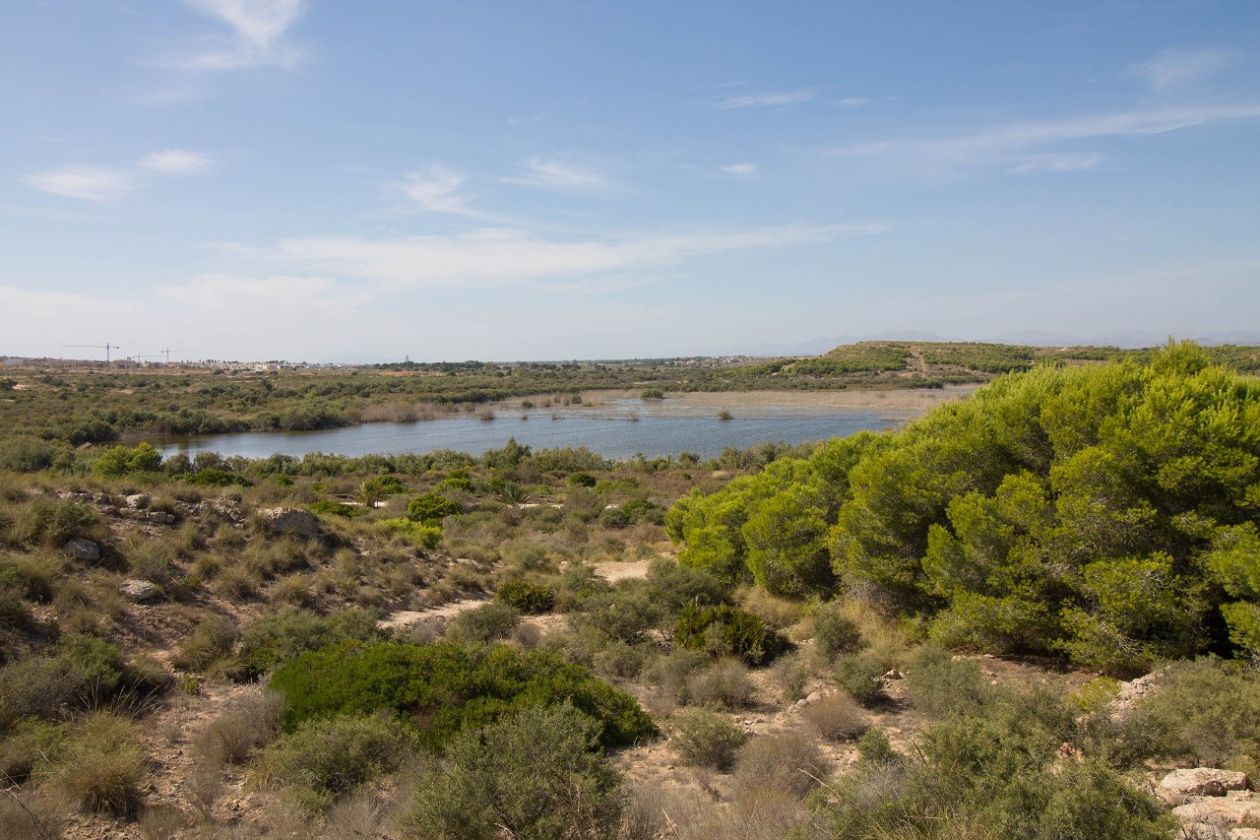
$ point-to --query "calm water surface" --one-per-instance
(607, 430)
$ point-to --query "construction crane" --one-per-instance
(168, 351)
(106, 347)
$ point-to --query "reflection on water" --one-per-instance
(611, 434)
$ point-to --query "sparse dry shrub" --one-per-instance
(486, 623)
(792, 673)
(101, 765)
(725, 683)
(836, 717)
(704, 738)
(161, 822)
(775, 611)
(789, 761)
(211, 640)
(250, 723)
(236, 583)
(203, 786)
(671, 672)
(33, 813)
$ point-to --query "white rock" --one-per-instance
(1224, 811)
(160, 517)
(139, 590)
(138, 500)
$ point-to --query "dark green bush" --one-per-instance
(582, 479)
(444, 688)
(724, 630)
(537, 774)
(431, 508)
(277, 637)
(626, 612)
(859, 675)
(330, 507)
(526, 596)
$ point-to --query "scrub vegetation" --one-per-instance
(914, 634)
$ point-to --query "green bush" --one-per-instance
(444, 688)
(121, 460)
(486, 623)
(859, 675)
(626, 612)
(426, 536)
(526, 596)
(275, 638)
(704, 738)
(1206, 711)
(941, 686)
(431, 508)
(724, 630)
(323, 759)
(537, 774)
(210, 641)
(331, 507)
(582, 479)
(834, 632)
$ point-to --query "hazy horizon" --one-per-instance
(326, 181)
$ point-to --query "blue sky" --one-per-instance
(539, 180)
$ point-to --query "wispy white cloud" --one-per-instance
(1014, 142)
(441, 189)
(1058, 162)
(850, 102)
(766, 100)
(87, 183)
(1174, 67)
(502, 256)
(176, 162)
(559, 175)
(258, 37)
(98, 183)
(740, 170)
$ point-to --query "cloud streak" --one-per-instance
(176, 162)
(1174, 68)
(258, 37)
(766, 100)
(1015, 142)
(560, 175)
(86, 183)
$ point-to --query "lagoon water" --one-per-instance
(617, 429)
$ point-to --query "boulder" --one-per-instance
(1180, 785)
(160, 517)
(139, 590)
(138, 500)
(85, 551)
(1231, 812)
(292, 521)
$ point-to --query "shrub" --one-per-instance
(789, 761)
(101, 765)
(537, 774)
(1207, 711)
(426, 536)
(704, 738)
(724, 683)
(860, 676)
(526, 596)
(248, 724)
(614, 518)
(793, 672)
(941, 686)
(674, 585)
(486, 623)
(834, 632)
(120, 460)
(323, 759)
(724, 630)
(626, 613)
(277, 637)
(582, 479)
(431, 508)
(836, 717)
(330, 507)
(211, 640)
(444, 687)
(26, 745)
(673, 672)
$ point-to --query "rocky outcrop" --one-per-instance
(292, 521)
(85, 551)
(1181, 786)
